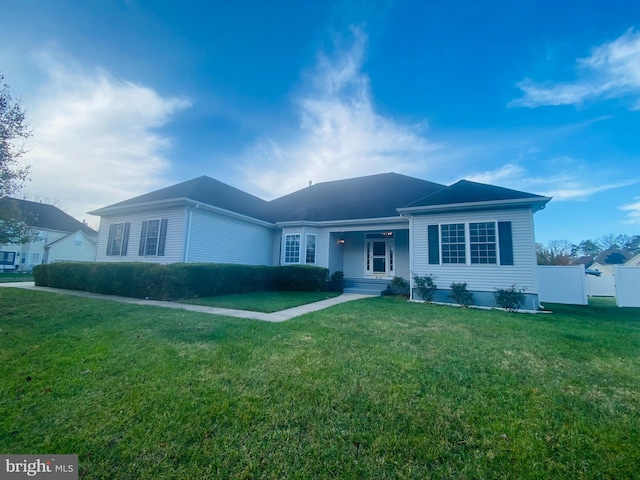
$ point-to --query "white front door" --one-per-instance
(379, 257)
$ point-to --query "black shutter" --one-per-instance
(162, 237)
(505, 239)
(125, 239)
(143, 238)
(433, 232)
(110, 240)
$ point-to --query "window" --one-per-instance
(453, 243)
(311, 249)
(152, 238)
(78, 240)
(482, 241)
(487, 244)
(7, 258)
(35, 258)
(118, 240)
(292, 249)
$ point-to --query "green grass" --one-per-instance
(376, 388)
(15, 277)
(267, 302)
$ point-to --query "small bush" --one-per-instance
(425, 286)
(460, 295)
(399, 286)
(336, 282)
(511, 299)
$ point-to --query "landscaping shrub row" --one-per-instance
(177, 280)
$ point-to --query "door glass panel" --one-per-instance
(379, 265)
(379, 248)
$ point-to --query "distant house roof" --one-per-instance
(372, 196)
(49, 217)
(586, 260)
(467, 192)
(613, 256)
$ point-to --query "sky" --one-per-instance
(129, 96)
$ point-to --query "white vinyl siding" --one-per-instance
(480, 277)
(173, 251)
(218, 238)
(69, 248)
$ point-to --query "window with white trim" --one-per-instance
(453, 243)
(473, 243)
(311, 249)
(118, 239)
(482, 243)
(292, 248)
(152, 238)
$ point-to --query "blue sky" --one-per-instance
(127, 96)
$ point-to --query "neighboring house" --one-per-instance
(606, 260)
(633, 261)
(371, 228)
(60, 237)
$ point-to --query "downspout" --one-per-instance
(188, 237)
(410, 217)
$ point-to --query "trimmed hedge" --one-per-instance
(177, 281)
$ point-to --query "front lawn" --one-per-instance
(266, 302)
(375, 388)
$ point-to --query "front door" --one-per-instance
(379, 257)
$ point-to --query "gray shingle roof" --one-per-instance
(43, 215)
(465, 191)
(207, 191)
(372, 196)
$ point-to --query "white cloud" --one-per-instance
(612, 71)
(562, 185)
(94, 139)
(340, 134)
(633, 217)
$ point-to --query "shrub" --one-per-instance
(336, 281)
(299, 277)
(177, 280)
(399, 286)
(425, 286)
(511, 299)
(460, 295)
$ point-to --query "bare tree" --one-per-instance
(610, 240)
(557, 252)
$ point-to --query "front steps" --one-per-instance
(366, 286)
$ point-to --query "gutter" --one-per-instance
(535, 204)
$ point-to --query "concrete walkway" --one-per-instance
(280, 316)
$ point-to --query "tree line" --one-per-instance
(563, 252)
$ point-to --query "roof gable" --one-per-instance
(465, 191)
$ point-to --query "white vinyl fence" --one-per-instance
(562, 284)
(627, 286)
(601, 286)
